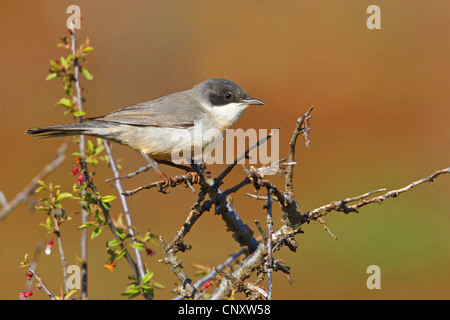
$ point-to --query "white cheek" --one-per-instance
(227, 115)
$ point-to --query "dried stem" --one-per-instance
(342, 205)
(61, 252)
(30, 187)
(187, 179)
(269, 241)
(41, 282)
(260, 258)
(126, 211)
(132, 174)
(186, 288)
(82, 147)
(222, 266)
(222, 176)
(302, 127)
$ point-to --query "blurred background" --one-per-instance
(381, 120)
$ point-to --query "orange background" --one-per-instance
(381, 119)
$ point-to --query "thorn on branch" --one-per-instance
(341, 206)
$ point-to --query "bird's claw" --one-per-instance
(190, 178)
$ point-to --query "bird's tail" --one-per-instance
(93, 128)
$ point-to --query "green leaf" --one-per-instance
(87, 74)
(147, 277)
(25, 261)
(132, 292)
(108, 198)
(98, 150)
(54, 64)
(96, 232)
(51, 76)
(65, 103)
(121, 233)
(47, 224)
(90, 146)
(113, 243)
(137, 245)
(64, 63)
(99, 217)
(121, 254)
(149, 292)
(68, 294)
(87, 225)
(89, 196)
(79, 113)
(158, 285)
(63, 195)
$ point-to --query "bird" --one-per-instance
(149, 127)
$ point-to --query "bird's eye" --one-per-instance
(228, 96)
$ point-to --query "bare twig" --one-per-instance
(127, 213)
(302, 127)
(222, 176)
(342, 205)
(269, 242)
(30, 187)
(41, 282)
(222, 266)
(61, 252)
(196, 211)
(82, 146)
(260, 258)
(256, 197)
(241, 232)
(289, 207)
(325, 227)
(34, 262)
(186, 288)
(187, 179)
(132, 174)
(251, 263)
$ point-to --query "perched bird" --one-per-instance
(149, 127)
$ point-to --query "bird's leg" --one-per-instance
(168, 181)
(162, 175)
(155, 166)
(194, 177)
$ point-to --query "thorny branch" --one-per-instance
(241, 232)
(269, 242)
(341, 206)
(301, 128)
(187, 179)
(260, 257)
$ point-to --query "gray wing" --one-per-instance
(176, 110)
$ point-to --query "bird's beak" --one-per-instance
(252, 101)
